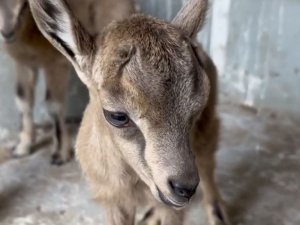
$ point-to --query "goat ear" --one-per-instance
(191, 17)
(56, 22)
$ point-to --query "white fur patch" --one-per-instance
(24, 145)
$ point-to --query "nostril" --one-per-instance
(183, 190)
(8, 35)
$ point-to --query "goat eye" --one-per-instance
(117, 119)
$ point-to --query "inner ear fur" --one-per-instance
(191, 18)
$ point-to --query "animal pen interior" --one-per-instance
(254, 45)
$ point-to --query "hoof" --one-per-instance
(17, 152)
(57, 160)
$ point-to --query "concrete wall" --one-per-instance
(255, 44)
(8, 112)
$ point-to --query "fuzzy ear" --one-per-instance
(191, 17)
(57, 23)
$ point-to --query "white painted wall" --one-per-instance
(255, 44)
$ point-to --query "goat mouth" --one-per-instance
(169, 202)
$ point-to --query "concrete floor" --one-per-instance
(258, 173)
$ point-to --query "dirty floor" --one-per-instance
(258, 172)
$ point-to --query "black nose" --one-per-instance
(183, 190)
(9, 35)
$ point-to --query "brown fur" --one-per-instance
(158, 75)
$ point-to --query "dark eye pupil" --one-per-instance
(117, 119)
(119, 116)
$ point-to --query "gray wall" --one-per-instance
(258, 52)
(8, 112)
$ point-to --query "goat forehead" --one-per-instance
(153, 93)
(160, 76)
(157, 103)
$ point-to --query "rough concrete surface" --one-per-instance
(258, 172)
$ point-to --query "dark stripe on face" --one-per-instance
(148, 214)
(142, 153)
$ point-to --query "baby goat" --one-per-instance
(31, 52)
(150, 129)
